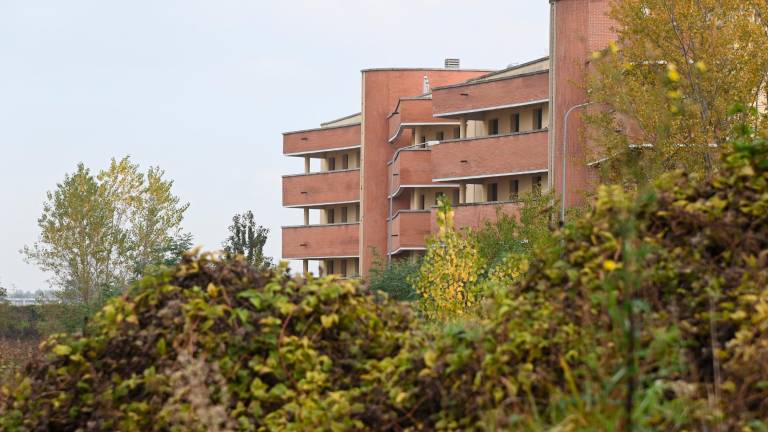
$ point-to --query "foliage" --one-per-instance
(669, 81)
(14, 354)
(650, 313)
(213, 345)
(518, 235)
(449, 271)
(248, 240)
(19, 322)
(395, 279)
(100, 232)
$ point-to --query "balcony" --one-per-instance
(321, 241)
(410, 168)
(491, 156)
(322, 188)
(313, 141)
(490, 94)
(409, 230)
(412, 112)
(474, 216)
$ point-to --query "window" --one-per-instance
(330, 214)
(422, 202)
(514, 190)
(423, 139)
(456, 133)
(493, 127)
(538, 118)
(438, 196)
(329, 265)
(493, 192)
(345, 162)
(537, 185)
(456, 196)
(344, 267)
(440, 136)
(343, 215)
(331, 164)
(515, 123)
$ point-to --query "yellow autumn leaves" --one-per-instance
(452, 278)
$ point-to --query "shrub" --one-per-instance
(650, 314)
(395, 279)
(448, 274)
(212, 346)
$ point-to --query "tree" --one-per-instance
(395, 279)
(666, 85)
(3, 293)
(248, 240)
(100, 232)
(447, 278)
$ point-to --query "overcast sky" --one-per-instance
(204, 89)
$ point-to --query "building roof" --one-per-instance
(343, 121)
(532, 67)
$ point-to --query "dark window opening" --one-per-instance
(329, 270)
(330, 214)
(537, 185)
(493, 127)
(515, 123)
(331, 164)
(344, 267)
(456, 196)
(538, 118)
(438, 196)
(345, 162)
(514, 190)
(456, 133)
(493, 192)
(343, 215)
(422, 202)
(440, 136)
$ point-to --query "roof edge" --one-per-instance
(471, 83)
(323, 124)
(322, 128)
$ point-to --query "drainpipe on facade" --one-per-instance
(564, 154)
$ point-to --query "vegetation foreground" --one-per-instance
(650, 314)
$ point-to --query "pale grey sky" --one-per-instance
(204, 89)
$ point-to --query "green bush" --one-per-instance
(212, 345)
(650, 313)
(395, 279)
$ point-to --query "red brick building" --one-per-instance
(480, 138)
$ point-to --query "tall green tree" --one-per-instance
(99, 232)
(247, 239)
(666, 86)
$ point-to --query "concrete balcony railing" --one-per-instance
(321, 241)
(411, 167)
(409, 230)
(474, 216)
(498, 155)
(302, 143)
(322, 188)
(412, 112)
(495, 93)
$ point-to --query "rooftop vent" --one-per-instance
(452, 63)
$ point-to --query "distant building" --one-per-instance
(480, 138)
(22, 301)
